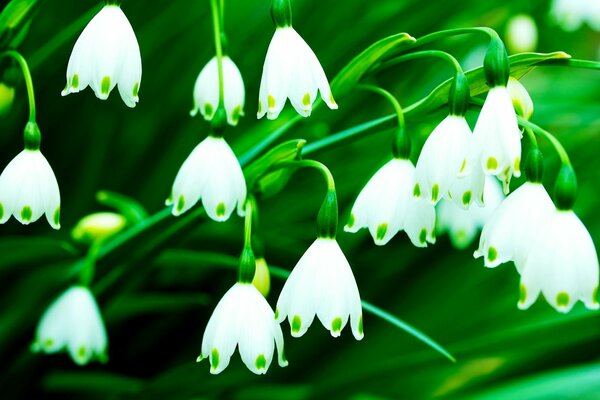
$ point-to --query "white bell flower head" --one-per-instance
(386, 206)
(498, 138)
(572, 14)
(463, 225)
(242, 318)
(321, 283)
(562, 264)
(444, 157)
(291, 70)
(28, 189)
(206, 91)
(106, 55)
(211, 173)
(521, 34)
(507, 236)
(73, 323)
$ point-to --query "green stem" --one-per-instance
(419, 54)
(388, 96)
(432, 37)
(248, 222)
(27, 76)
(309, 164)
(217, 34)
(562, 153)
(531, 136)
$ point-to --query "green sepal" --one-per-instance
(460, 94)
(247, 265)
(281, 12)
(401, 145)
(565, 188)
(534, 165)
(218, 122)
(32, 136)
(327, 220)
(495, 64)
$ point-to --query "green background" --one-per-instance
(158, 305)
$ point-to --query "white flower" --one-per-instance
(242, 318)
(211, 173)
(498, 137)
(521, 34)
(321, 283)
(465, 190)
(106, 54)
(386, 206)
(571, 14)
(73, 323)
(444, 157)
(562, 264)
(206, 91)
(463, 225)
(507, 236)
(291, 70)
(520, 98)
(28, 189)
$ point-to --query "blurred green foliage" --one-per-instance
(156, 302)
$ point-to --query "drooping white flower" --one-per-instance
(291, 70)
(211, 173)
(321, 284)
(521, 34)
(242, 318)
(28, 189)
(444, 157)
(386, 206)
(507, 236)
(73, 323)
(206, 91)
(562, 264)
(463, 225)
(572, 14)
(106, 55)
(498, 137)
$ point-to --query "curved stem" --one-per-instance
(320, 167)
(248, 208)
(420, 54)
(562, 153)
(531, 136)
(388, 96)
(27, 76)
(218, 46)
(432, 37)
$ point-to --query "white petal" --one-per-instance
(420, 222)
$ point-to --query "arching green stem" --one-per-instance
(27, 76)
(562, 153)
(216, 18)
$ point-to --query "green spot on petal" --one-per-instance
(562, 299)
(136, 89)
(381, 231)
(517, 166)
(306, 100)
(466, 198)
(296, 324)
(208, 110)
(423, 236)
(463, 166)
(220, 210)
(261, 362)
(522, 293)
(26, 214)
(492, 254)
(48, 343)
(336, 325)
(360, 325)
(417, 191)
(350, 223)
(1, 210)
(435, 192)
(492, 163)
(75, 81)
(271, 101)
(105, 85)
(276, 313)
(259, 107)
(236, 114)
(56, 216)
(331, 99)
(81, 353)
(594, 294)
(214, 359)
(180, 203)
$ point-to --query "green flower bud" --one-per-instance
(32, 136)
(281, 12)
(247, 265)
(98, 226)
(262, 277)
(460, 93)
(401, 144)
(496, 65)
(565, 188)
(327, 220)
(534, 165)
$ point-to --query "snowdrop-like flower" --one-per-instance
(386, 206)
(463, 225)
(73, 323)
(443, 157)
(242, 318)
(291, 70)
(562, 264)
(498, 137)
(28, 189)
(106, 55)
(206, 91)
(521, 34)
(321, 283)
(211, 173)
(520, 217)
(571, 14)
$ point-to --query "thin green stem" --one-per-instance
(432, 37)
(27, 76)
(562, 153)
(531, 136)
(217, 34)
(419, 54)
(309, 164)
(388, 96)
(248, 208)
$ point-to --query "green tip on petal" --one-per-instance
(180, 203)
(594, 295)
(463, 166)
(360, 325)
(136, 89)
(208, 110)
(220, 210)
(259, 107)
(261, 362)
(1, 210)
(82, 353)
(492, 163)
(276, 313)
(517, 166)
(492, 254)
(435, 192)
(236, 114)
(105, 85)
(423, 236)
(466, 198)
(306, 100)
(271, 101)
(349, 224)
(417, 191)
(214, 359)
(75, 81)
(48, 343)
(199, 358)
(381, 231)
(522, 294)
(562, 299)
(26, 214)
(56, 217)
(336, 325)
(296, 324)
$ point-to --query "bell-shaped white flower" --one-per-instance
(521, 34)
(562, 264)
(572, 14)
(444, 157)
(321, 284)
(206, 91)
(291, 70)
(28, 189)
(211, 173)
(73, 323)
(386, 206)
(106, 55)
(508, 234)
(498, 138)
(463, 225)
(242, 318)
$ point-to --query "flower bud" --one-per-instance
(495, 64)
(521, 34)
(262, 277)
(534, 165)
(281, 12)
(98, 226)
(327, 219)
(565, 188)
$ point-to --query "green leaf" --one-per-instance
(102, 382)
(148, 303)
(349, 76)
(14, 21)
(131, 209)
(286, 151)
